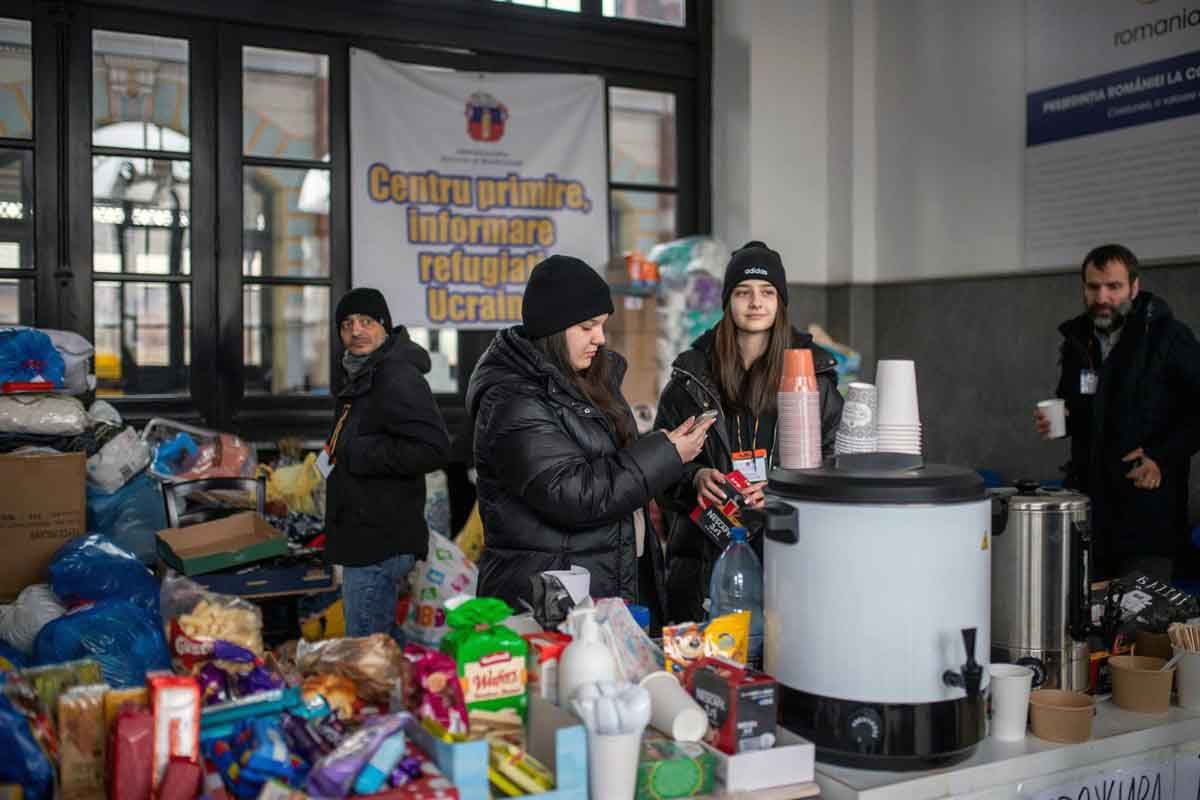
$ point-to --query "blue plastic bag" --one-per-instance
(172, 456)
(24, 763)
(92, 568)
(27, 355)
(129, 517)
(125, 639)
(10, 658)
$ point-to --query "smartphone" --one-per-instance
(706, 416)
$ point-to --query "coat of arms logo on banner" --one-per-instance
(485, 117)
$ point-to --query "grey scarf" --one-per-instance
(354, 364)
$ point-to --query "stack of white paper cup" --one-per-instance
(857, 432)
(899, 420)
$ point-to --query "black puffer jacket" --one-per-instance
(1148, 397)
(393, 435)
(691, 390)
(554, 487)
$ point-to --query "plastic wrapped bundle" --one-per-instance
(125, 639)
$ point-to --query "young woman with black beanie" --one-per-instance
(563, 478)
(734, 369)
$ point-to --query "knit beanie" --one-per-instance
(755, 261)
(562, 291)
(368, 302)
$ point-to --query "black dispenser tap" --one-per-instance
(970, 677)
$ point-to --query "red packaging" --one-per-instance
(182, 780)
(715, 521)
(175, 701)
(130, 753)
(541, 663)
(741, 704)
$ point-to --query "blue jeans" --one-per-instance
(370, 593)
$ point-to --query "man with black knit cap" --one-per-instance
(387, 435)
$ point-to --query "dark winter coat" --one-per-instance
(693, 389)
(555, 489)
(1149, 397)
(392, 436)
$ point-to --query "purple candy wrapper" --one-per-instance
(409, 769)
(259, 679)
(227, 651)
(334, 774)
(300, 738)
(330, 731)
(214, 684)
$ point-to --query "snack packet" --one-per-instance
(490, 657)
(727, 636)
(441, 696)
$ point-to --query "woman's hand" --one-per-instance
(708, 483)
(754, 494)
(688, 438)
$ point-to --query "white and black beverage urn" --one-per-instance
(877, 607)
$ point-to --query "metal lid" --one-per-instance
(1044, 500)
(866, 478)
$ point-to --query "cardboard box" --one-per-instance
(240, 539)
(554, 737)
(42, 506)
(741, 704)
(286, 576)
(791, 761)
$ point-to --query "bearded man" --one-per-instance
(1130, 376)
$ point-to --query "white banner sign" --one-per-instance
(1112, 129)
(462, 182)
(1147, 783)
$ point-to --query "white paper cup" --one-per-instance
(613, 764)
(1010, 686)
(896, 382)
(1187, 680)
(1055, 411)
(672, 709)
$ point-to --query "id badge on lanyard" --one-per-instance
(1089, 381)
(752, 464)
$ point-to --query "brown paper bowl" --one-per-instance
(1139, 685)
(1060, 716)
(1153, 645)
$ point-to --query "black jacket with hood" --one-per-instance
(691, 390)
(1149, 397)
(392, 436)
(555, 488)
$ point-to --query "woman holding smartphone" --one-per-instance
(563, 478)
(732, 373)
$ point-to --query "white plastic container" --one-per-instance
(585, 660)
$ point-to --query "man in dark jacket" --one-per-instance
(1131, 380)
(692, 390)
(388, 434)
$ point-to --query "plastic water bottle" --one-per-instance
(737, 585)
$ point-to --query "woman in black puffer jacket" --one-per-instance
(562, 477)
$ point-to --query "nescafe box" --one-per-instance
(741, 704)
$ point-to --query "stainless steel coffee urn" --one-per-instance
(1041, 606)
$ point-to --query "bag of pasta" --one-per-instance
(204, 627)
